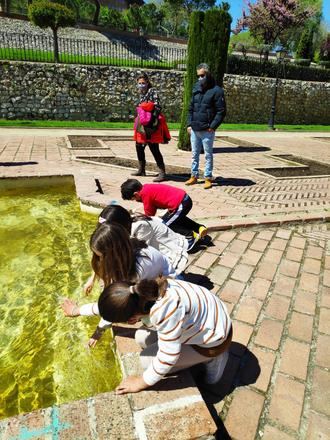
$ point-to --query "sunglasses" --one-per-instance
(201, 76)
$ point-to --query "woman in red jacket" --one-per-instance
(150, 127)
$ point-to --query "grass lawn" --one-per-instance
(48, 56)
(172, 125)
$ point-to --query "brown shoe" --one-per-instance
(192, 181)
(208, 183)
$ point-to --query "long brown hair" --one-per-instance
(120, 301)
(118, 253)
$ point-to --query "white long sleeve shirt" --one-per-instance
(187, 314)
(149, 264)
(156, 234)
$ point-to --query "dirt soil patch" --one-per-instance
(308, 167)
(90, 142)
(132, 163)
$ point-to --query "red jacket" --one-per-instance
(160, 136)
(160, 195)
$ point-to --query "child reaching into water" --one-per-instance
(151, 230)
(160, 196)
(190, 326)
(116, 257)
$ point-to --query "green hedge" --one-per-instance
(250, 67)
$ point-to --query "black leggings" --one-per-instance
(179, 222)
(154, 148)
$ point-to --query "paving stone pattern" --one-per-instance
(273, 275)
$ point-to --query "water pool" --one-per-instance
(44, 256)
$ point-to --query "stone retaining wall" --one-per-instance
(76, 92)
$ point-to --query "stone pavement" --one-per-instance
(274, 277)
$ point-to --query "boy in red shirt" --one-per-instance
(160, 196)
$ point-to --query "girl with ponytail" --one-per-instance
(187, 325)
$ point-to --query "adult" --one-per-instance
(150, 127)
(206, 112)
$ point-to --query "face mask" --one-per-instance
(201, 80)
(141, 86)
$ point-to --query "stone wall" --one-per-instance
(76, 92)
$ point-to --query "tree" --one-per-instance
(44, 13)
(153, 17)
(134, 18)
(305, 39)
(243, 38)
(112, 18)
(97, 12)
(208, 42)
(269, 20)
(305, 45)
(325, 49)
(175, 19)
(191, 5)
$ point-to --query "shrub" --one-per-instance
(112, 18)
(239, 66)
(303, 61)
(325, 64)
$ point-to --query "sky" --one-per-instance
(236, 7)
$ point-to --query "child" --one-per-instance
(116, 257)
(153, 231)
(160, 196)
(190, 326)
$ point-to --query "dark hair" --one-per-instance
(129, 187)
(144, 76)
(116, 214)
(119, 252)
(117, 303)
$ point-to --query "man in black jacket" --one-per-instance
(206, 112)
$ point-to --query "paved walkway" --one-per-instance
(274, 276)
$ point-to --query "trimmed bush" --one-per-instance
(45, 14)
(302, 62)
(250, 67)
(325, 64)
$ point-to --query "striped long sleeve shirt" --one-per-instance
(187, 314)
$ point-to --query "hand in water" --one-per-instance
(92, 342)
(88, 286)
(70, 308)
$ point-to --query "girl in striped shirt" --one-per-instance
(188, 325)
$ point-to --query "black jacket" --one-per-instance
(207, 107)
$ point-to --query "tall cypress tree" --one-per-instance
(208, 42)
(194, 57)
(216, 37)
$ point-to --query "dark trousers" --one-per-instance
(154, 148)
(179, 222)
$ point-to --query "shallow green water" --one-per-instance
(44, 256)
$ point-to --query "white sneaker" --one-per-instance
(215, 368)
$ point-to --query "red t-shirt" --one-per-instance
(159, 195)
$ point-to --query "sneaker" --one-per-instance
(215, 368)
(208, 183)
(191, 181)
(192, 241)
(202, 231)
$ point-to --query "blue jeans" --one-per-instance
(199, 139)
